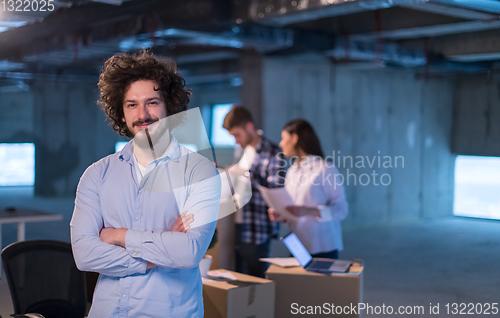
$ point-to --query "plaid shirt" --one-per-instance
(268, 169)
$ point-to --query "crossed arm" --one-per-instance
(114, 236)
(123, 252)
(117, 236)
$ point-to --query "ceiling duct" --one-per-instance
(113, 2)
(349, 49)
(393, 54)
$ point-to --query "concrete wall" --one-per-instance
(17, 115)
(477, 116)
(70, 132)
(67, 127)
(360, 112)
(375, 113)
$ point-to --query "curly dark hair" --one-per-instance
(123, 69)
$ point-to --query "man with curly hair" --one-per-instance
(136, 211)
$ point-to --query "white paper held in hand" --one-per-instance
(278, 199)
(282, 261)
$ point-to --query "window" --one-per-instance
(477, 184)
(219, 136)
(18, 164)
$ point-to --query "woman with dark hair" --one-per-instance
(316, 190)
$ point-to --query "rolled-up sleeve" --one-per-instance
(89, 251)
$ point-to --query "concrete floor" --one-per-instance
(452, 260)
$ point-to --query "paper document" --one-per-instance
(219, 274)
(278, 199)
(281, 261)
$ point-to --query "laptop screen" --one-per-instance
(297, 249)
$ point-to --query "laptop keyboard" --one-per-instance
(320, 264)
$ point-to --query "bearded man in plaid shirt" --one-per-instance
(265, 162)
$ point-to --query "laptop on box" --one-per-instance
(320, 265)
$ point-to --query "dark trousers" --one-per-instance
(332, 254)
(247, 256)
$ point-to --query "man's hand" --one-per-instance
(303, 210)
(182, 223)
(113, 236)
(275, 216)
(150, 265)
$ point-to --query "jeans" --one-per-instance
(247, 256)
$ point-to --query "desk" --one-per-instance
(21, 216)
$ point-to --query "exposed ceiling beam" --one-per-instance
(233, 78)
(257, 37)
(473, 43)
(392, 53)
(9, 66)
(100, 22)
(206, 57)
(430, 31)
(290, 15)
(476, 57)
(492, 6)
(458, 12)
(49, 77)
(289, 12)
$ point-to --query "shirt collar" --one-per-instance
(126, 152)
(173, 151)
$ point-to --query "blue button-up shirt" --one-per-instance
(110, 195)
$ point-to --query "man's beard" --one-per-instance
(148, 137)
(247, 138)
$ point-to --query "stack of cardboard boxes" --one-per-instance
(287, 292)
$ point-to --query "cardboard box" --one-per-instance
(299, 291)
(248, 296)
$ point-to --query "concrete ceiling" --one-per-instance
(74, 38)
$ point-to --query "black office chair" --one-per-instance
(43, 279)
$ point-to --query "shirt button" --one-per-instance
(137, 218)
(124, 295)
(135, 253)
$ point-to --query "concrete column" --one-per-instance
(251, 91)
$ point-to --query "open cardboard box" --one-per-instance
(248, 296)
(298, 289)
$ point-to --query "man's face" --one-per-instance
(241, 134)
(142, 105)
